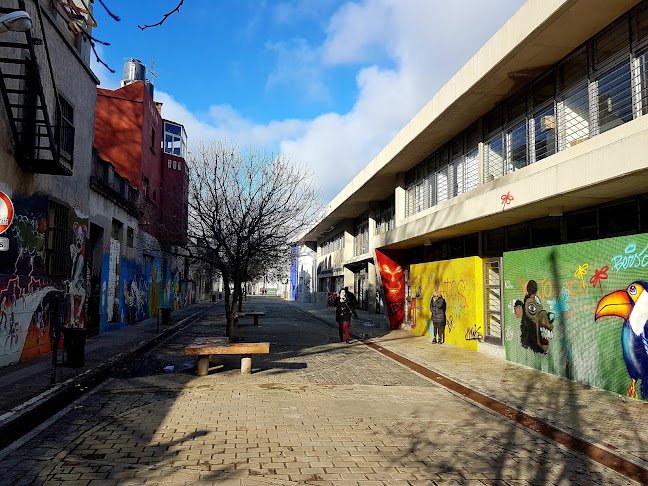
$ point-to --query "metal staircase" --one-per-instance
(30, 97)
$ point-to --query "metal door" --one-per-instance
(493, 301)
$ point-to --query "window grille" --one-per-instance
(544, 133)
(614, 97)
(641, 83)
(573, 117)
(66, 129)
(58, 239)
(494, 158)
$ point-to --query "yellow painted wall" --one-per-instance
(461, 283)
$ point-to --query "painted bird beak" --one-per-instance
(615, 304)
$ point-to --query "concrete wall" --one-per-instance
(570, 330)
(460, 282)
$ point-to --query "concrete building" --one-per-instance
(46, 133)
(520, 191)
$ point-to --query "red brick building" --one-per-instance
(150, 152)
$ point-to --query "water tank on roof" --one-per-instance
(134, 70)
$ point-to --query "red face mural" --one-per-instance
(393, 283)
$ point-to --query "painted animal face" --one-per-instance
(543, 324)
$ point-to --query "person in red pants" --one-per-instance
(344, 309)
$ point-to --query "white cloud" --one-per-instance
(422, 43)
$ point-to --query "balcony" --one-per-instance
(105, 181)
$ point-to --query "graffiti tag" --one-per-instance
(582, 271)
(599, 275)
(506, 199)
(631, 259)
(474, 334)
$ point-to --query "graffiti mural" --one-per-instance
(536, 324)
(392, 278)
(27, 289)
(582, 316)
(460, 282)
(631, 304)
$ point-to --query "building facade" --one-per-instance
(520, 191)
(142, 265)
(46, 132)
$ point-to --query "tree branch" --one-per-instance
(177, 9)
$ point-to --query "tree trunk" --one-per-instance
(229, 315)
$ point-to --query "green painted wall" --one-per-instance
(571, 280)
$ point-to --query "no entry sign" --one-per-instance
(6, 212)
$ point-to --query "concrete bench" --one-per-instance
(254, 314)
(204, 348)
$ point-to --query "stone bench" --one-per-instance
(254, 314)
(204, 348)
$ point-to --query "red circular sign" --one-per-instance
(6, 212)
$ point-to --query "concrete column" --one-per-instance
(400, 199)
(482, 158)
(371, 280)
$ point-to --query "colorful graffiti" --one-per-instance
(631, 304)
(392, 278)
(596, 337)
(460, 282)
(26, 293)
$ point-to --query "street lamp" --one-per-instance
(18, 21)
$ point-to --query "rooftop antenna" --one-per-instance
(152, 70)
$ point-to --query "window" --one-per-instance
(573, 117)
(145, 187)
(518, 237)
(386, 217)
(169, 162)
(361, 234)
(544, 133)
(618, 219)
(153, 139)
(614, 97)
(175, 139)
(66, 129)
(516, 138)
(130, 237)
(179, 165)
(545, 231)
(58, 239)
(581, 225)
(175, 164)
(117, 227)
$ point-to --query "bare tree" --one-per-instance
(244, 210)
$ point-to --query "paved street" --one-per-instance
(314, 411)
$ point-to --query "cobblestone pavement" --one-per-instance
(314, 411)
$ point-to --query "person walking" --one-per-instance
(344, 309)
(438, 312)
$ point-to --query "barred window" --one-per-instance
(58, 239)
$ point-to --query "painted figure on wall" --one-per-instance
(76, 283)
(632, 305)
(392, 277)
(536, 324)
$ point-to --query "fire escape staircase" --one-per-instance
(30, 98)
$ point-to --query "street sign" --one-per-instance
(6, 212)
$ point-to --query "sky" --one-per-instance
(327, 82)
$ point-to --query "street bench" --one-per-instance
(254, 314)
(204, 348)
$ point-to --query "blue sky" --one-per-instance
(328, 82)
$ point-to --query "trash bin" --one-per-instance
(166, 315)
(74, 340)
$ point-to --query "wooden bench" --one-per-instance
(254, 314)
(204, 348)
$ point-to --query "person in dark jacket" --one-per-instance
(438, 312)
(344, 309)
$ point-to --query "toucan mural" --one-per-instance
(632, 305)
(580, 311)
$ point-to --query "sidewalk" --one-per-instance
(27, 385)
(604, 419)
